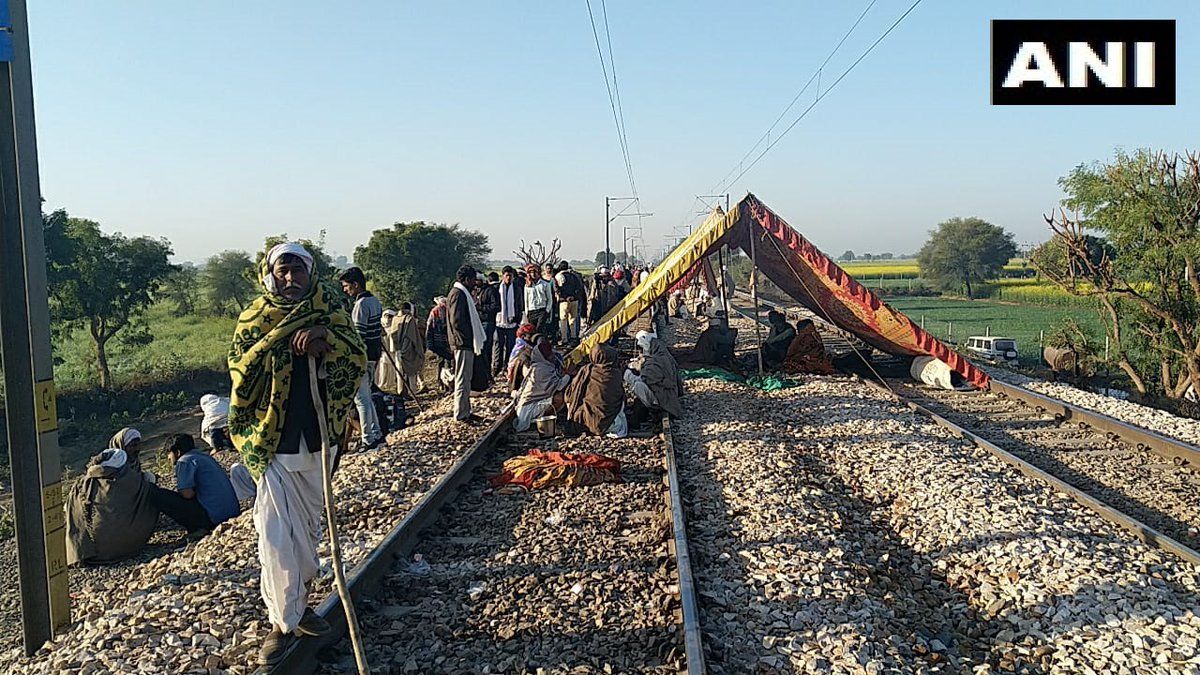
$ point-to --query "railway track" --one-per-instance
(1135, 478)
(585, 579)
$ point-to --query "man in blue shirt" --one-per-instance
(205, 498)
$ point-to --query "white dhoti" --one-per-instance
(640, 389)
(243, 483)
(529, 412)
(287, 516)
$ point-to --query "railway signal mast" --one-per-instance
(30, 409)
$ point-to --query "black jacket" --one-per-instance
(489, 303)
(518, 291)
(458, 320)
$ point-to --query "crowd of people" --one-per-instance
(305, 354)
(351, 364)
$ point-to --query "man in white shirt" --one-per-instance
(539, 299)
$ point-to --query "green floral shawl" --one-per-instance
(260, 365)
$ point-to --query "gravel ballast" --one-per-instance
(561, 580)
(199, 609)
(1153, 419)
(834, 531)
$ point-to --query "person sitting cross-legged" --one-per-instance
(205, 498)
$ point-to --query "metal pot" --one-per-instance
(547, 426)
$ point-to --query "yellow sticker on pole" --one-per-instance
(54, 519)
(46, 404)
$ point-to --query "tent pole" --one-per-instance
(754, 293)
(721, 260)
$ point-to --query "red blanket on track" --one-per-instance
(537, 469)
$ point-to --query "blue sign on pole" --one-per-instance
(6, 47)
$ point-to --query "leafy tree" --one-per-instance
(228, 277)
(885, 256)
(964, 252)
(1052, 256)
(867, 256)
(1146, 280)
(102, 282)
(182, 289)
(848, 256)
(417, 261)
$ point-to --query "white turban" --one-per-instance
(643, 339)
(113, 459)
(277, 252)
(123, 438)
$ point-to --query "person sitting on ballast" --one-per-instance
(205, 498)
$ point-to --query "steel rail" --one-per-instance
(1142, 531)
(1139, 437)
(693, 639)
(1147, 440)
(301, 656)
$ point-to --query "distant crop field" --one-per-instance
(955, 320)
(888, 269)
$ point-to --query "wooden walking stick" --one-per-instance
(335, 548)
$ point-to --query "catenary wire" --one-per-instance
(821, 96)
(816, 76)
(611, 100)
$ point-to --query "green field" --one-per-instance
(955, 320)
(181, 345)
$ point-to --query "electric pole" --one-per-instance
(30, 408)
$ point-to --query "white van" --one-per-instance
(994, 349)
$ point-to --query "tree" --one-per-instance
(1147, 279)
(848, 256)
(885, 256)
(536, 253)
(964, 252)
(181, 288)
(416, 261)
(101, 282)
(228, 277)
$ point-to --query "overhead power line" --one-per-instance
(816, 77)
(614, 99)
(820, 96)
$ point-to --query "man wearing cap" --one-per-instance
(274, 423)
(539, 299)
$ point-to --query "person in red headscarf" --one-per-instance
(519, 357)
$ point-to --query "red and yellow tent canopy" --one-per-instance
(797, 267)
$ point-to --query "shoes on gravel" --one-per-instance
(311, 624)
(274, 647)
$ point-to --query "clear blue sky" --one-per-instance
(215, 124)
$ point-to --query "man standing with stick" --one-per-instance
(273, 423)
